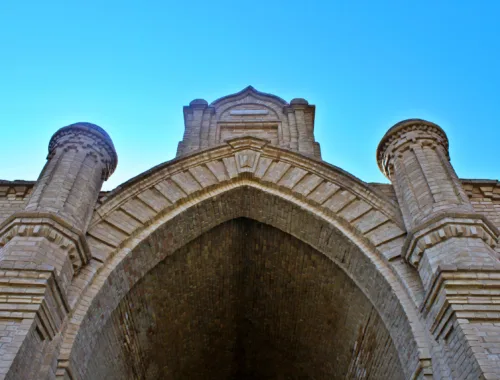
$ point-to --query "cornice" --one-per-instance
(96, 133)
(444, 227)
(51, 227)
(249, 90)
(34, 294)
(396, 137)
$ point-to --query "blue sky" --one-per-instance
(130, 66)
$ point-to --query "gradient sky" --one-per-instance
(130, 67)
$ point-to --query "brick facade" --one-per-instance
(247, 256)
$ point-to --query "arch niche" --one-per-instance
(244, 261)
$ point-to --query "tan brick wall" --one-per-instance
(13, 196)
(483, 194)
(409, 271)
(485, 197)
(250, 113)
(224, 305)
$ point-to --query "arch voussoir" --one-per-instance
(308, 199)
(325, 187)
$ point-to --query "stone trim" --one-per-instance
(396, 140)
(21, 189)
(249, 90)
(444, 227)
(325, 172)
(53, 228)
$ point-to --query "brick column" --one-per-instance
(294, 137)
(43, 246)
(300, 110)
(193, 121)
(450, 245)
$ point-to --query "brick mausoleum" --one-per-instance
(248, 257)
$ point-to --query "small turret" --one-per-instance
(45, 244)
(414, 155)
(81, 157)
(450, 244)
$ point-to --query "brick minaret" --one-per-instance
(44, 245)
(448, 243)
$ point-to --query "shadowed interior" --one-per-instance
(245, 301)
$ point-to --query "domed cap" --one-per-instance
(300, 101)
(394, 133)
(93, 130)
(199, 102)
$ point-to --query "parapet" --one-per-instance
(250, 113)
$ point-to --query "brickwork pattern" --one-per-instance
(418, 258)
(223, 306)
(13, 197)
(451, 246)
(485, 198)
(250, 113)
(114, 282)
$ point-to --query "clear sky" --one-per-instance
(130, 66)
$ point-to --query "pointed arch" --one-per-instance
(308, 199)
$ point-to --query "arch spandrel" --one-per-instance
(301, 196)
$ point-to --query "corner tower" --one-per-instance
(450, 245)
(250, 113)
(44, 247)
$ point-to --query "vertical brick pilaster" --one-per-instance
(294, 134)
(196, 127)
(302, 120)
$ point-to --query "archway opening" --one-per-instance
(244, 301)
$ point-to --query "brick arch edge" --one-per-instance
(300, 196)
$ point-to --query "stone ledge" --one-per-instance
(471, 294)
(444, 227)
(51, 227)
(33, 294)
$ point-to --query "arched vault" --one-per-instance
(308, 199)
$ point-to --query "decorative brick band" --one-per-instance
(101, 142)
(470, 296)
(28, 294)
(52, 228)
(444, 227)
(407, 132)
